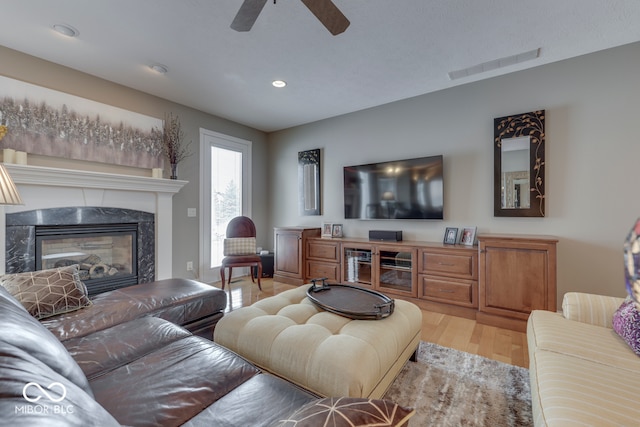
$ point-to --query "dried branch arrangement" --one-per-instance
(173, 145)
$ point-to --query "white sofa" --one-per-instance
(582, 373)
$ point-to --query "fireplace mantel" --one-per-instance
(38, 175)
(44, 187)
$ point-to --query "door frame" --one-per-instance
(207, 139)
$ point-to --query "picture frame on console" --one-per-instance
(468, 236)
(336, 230)
(327, 229)
(450, 236)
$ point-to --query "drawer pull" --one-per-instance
(445, 291)
(446, 263)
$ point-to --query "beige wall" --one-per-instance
(593, 155)
(185, 230)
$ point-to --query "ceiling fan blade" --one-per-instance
(329, 14)
(247, 15)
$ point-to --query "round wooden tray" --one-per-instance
(351, 301)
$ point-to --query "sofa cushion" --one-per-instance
(175, 382)
(21, 330)
(348, 412)
(547, 330)
(258, 402)
(111, 348)
(572, 391)
(626, 323)
(47, 293)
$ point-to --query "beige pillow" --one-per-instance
(46, 293)
(348, 412)
(239, 246)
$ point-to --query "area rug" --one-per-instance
(448, 387)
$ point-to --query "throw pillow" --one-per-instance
(46, 293)
(348, 412)
(239, 246)
(631, 251)
(626, 323)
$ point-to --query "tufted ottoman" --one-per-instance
(326, 353)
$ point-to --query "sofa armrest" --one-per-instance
(590, 308)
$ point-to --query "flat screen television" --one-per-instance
(401, 189)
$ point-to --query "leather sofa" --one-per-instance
(122, 361)
(145, 371)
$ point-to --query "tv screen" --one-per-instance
(401, 189)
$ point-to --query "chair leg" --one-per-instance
(259, 275)
(230, 276)
(222, 277)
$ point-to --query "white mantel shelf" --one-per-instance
(43, 187)
(54, 177)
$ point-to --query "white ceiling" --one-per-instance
(392, 50)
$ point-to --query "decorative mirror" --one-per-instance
(309, 182)
(519, 183)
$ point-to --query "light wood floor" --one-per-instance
(467, 335)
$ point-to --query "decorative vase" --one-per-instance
(174, 171)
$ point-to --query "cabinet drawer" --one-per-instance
(320, 250)
(459, 265)
(459, 292)
(317, 270)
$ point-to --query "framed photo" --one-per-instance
(450, 236)
(468, 236)
(327, 229)
(336, 230)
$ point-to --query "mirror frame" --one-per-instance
(309, 204)
(528, 124)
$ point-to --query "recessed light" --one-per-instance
(66, 30)
(279, 83)
(159, 68)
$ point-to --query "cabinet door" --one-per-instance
(288, 253)
(517, 277)
(357, 265)
(396, 270)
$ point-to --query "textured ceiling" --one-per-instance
(392, 50)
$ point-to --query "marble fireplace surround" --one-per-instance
(45, 188)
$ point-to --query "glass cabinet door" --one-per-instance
(396, 270)
(357, 266)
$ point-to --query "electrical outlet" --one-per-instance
(191, 212)
(189, 265)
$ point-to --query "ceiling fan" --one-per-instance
(326, 12)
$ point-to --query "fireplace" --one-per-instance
(113, 247)
(105, 253)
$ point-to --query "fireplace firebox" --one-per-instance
(105, 253)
